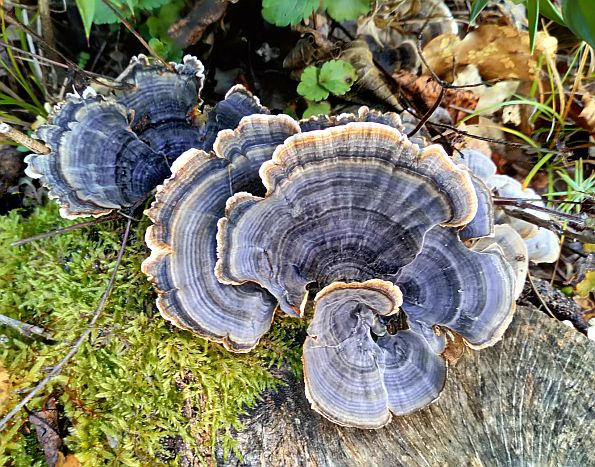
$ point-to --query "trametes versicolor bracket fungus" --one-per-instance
(543, 245)
(108, 151)
(349, 208)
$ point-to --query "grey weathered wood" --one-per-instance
(527, 401)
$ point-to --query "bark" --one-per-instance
(527, 401)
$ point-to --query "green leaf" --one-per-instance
(286, 12)
(579, 18)
(533, 19)
(104, 14)
(341, 10)
(337, 76)
(87, 12)
(317, 108)
(476, 9)
(309, 86)
(549, 10)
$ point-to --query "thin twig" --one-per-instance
(58, 368)
(145, 44)
(540, 297)
(528, 204)
(52, 233)
(27, 330)
(429, 113)
(22, 139)
(587, 237)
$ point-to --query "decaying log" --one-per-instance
(527, 401)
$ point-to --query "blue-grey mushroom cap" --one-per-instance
(182, 238)
(163, 100)
(355, 379)
(96, 163)
(348, 203)
(470, 292)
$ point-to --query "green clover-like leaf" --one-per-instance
(337, 76)
(310, 87)
(342, 10)
(286, 12)
(317, 108)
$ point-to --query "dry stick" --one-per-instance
(527, 203)
(58, 368)
(429, 113)
(27, 330)
(52, 233)
(23, 139)
(540, 297)
(587, 237)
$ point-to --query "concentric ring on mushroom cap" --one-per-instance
(183, 237)
(97, 163)
(355, 381)
(348, 203)
(469, 292)
(162, 99)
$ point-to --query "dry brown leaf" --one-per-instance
(427, 90)
(47, 430)
(588, 113)
(499, 52)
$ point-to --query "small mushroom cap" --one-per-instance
(182, 238)
(514, 249)
(227, 114)
(97, 163)
(364, 114)
(469, 292)
(162, 99)
(347, 203)
(544, 247)
(477, 162)
(353, 380)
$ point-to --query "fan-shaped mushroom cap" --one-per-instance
(227, 114)
(355, 381)
(513, 248)
(469, 292)
(162, 99)
(108, 155)
(543, 247)
(482, 224)
(96, 163)
(364, 114)
(477, 162)
(183, 237)
(347, 203)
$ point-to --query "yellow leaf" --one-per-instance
(587, 285)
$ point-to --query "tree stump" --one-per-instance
(527, 401)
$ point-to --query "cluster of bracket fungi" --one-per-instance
(260, 210)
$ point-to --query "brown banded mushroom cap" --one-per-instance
(183, 237)
(355, 380)
(348, 203)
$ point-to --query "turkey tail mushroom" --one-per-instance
(182, 238)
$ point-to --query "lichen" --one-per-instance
(137, 381)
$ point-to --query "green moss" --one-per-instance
(132, 384)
